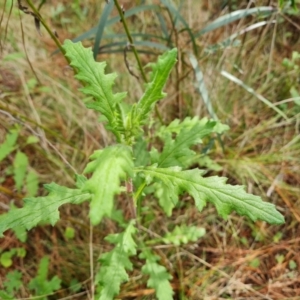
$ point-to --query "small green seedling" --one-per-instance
(12, 284)
(40, 284)
(7, 256)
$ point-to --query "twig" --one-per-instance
(37, 15)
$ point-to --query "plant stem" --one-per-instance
(137, 201)
(54, 38)
(130, 39)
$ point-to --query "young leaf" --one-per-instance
(5, 296)
(6, 258)
(225, 197)
(9, 144)
(109, 166)
(158, 276)
(32, 139)
(153, 93)
(208, 163)
(32, 183)
(176, 152)
(41, 209)
(183, 234)
(13, 282)
(167, 198)
(115, 263)
(20, 169)
(75, 286)
(97, 84)
(40, 284)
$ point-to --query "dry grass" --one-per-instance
(237, 259)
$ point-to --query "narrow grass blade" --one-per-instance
(100, 28)
(201, 86)
(115, 20)
(177, 16)
(140, 39)
(121, 50)
(232, 41)
(234, 16)
(148, 44)
(249, 28)
(137, 35)
(252, 91)
(221, 46)
(163, 25)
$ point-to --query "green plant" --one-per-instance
(282, 3)
(6, 256)
(40, 285)
(25, 179)
(128, 167)
(292, 66)
(11, 284)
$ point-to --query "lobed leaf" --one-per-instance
(225, 197)
(31, 183)
(6, 296)
(115, 263)
(109, 167)
(158, 276)
(153, 92)
(41, 209)
(177, 152)
(97, 84)
(9, 144)
(40, 284)
(183, 234)
(167, 198)
(20, 168)
(13, 282)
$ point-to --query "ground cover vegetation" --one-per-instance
(140, 203)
